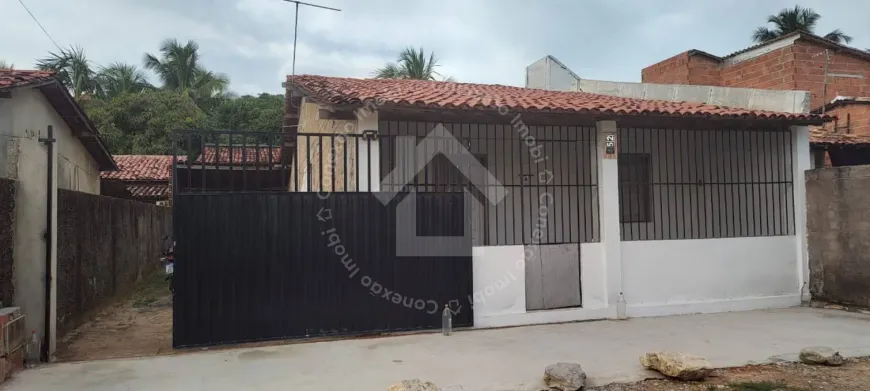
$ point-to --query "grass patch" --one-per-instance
(151, 291)
(762, 386)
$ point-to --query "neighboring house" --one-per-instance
(837, 76)
(32, 105)
(688, 78)
(144, 178)
(795, 61)
(679, 207)
(227, 167)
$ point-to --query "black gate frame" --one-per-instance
(262, 264)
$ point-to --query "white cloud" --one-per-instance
(482, 41)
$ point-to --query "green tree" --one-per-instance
(411, 64)
(796, 19)
(6, 65)
(262, 113)
(178, 68)
(73, 69)
(143, 123)
(119, 79)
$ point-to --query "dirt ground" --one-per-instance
(139, 326)
(854, 376)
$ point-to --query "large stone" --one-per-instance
(564, 376)
(821, 355)
(413, 385)
(677, 365)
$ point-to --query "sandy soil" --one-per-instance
(854, 376)
(139, 326)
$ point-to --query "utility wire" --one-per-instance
(40, 25)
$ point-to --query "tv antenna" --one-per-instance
(296, 25)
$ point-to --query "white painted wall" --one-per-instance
(709, 275)
(24, 118)
(499, 288)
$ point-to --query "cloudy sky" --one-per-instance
(480, 41)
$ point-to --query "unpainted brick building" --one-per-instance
(795, 61)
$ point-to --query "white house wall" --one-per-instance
(24, 118)
(499, 295)
(709, 275)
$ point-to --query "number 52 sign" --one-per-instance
(610, 146)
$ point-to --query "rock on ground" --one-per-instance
(413, 385)
(677, 365)
(564, 376)
(821, 355)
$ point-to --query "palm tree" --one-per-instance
(179, 69)
(6, 65)
(119, 78)
(411, 64)
(797, 19)
(72, 68)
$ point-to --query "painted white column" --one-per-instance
(369, 162)
(608, 201)
(801, 162)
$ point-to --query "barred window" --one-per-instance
(634, 188)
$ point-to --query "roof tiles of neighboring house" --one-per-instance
(153, 191)
(141, 168)
(248, 156)
(451, 95)
(13, 78)
(145, 176)
(823, 138)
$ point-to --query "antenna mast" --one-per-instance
(296, 25)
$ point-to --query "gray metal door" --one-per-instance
(553, 277)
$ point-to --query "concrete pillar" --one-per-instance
(801, 162)
(608, 199)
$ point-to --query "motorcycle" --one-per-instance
(168, 260)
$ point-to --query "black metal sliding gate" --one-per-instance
(263, 266)
(258, 258)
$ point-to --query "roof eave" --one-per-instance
(57, 94)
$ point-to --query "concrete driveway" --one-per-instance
(503, 359)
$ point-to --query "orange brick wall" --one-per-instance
(809, 73)
(703, 71)
(674, 70)
(772, 71)
(789, 68)
(857, 115)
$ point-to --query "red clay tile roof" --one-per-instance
(450, 95)
(240, 156)
(153, 191)
(822, 137)
(141, 168)
(11, 78)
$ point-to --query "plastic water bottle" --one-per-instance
(34, 350)
(446, 321)
(620, 307)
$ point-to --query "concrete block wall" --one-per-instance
(749, 98)
(838, 230)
